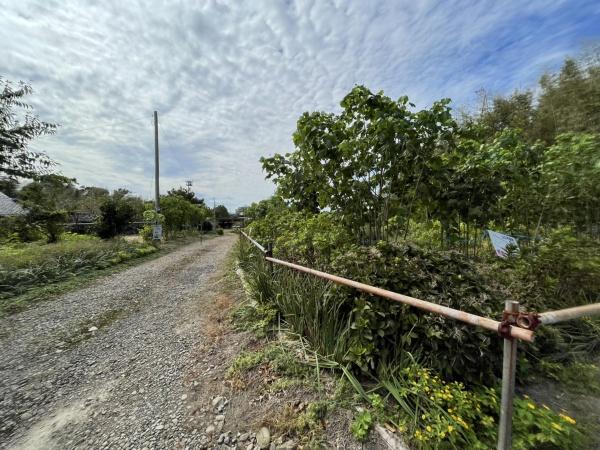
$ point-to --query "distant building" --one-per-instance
(8, 207)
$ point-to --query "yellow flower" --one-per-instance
(442, 434)
(526, 396)
(545, 407)
(556, 426)
(450, 428)
(530, 405)
(568, 419)
(428, 428)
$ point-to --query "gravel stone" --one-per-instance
(147, 319)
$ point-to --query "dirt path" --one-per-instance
(109, 366)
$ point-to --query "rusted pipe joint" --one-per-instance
(529, 321)
(504, 328)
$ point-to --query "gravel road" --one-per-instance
(103, 367)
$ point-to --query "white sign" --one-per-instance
(157, 232)
(501, 242)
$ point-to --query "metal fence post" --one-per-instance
(269, 253)
(509, 366)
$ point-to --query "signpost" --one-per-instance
(157, 232)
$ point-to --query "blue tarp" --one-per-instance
(501, 242)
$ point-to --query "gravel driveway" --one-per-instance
(103, 367)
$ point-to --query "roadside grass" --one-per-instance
(403, 395)
(30, 273)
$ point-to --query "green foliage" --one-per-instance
(221, 212)
(583, 378)
(27, 266)
(19, 229)
(443, 415)
(368, 163)
(187, 194)
(50, 222)
(300, 236)
(16, 160)
(361, 425)
(181, 214)
(116, 213)
(259, 210)
(151, 217)
(279, 359)
(382, 328)
(570, 180)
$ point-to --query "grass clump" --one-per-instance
(279, 360)
(27, 266)
(578, 377)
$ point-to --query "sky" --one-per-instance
(230, 79)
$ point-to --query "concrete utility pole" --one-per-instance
(156, 189)
(214, 214)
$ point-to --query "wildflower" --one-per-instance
(568, 419)
(556, 426)
(530, 405)
(428, 428)
(546, 407)
(450, 428)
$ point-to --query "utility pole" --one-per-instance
(157, 231)
(214, 214)
(188, 184)
(156, 189)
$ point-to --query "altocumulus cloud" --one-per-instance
(230, 79)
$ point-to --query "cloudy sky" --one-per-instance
(229, 79)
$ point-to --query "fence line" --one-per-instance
(462, 316)
(515, 325)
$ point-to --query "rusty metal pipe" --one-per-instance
(260, 247)
(472, 319)
(563, 315)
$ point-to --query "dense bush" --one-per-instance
(116, 213)
(382, 329)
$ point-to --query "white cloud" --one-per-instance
(230, 79)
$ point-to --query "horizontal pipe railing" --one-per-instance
(562, 315)
(472, 319)
(505, 328)
(260, 247)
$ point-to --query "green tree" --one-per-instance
(18, 127)
(372, 162)
(189, 195)
(52, 192)
(221, 212)
(181, 214)
(117, 212)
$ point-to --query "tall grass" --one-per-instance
(306, 305)
(27, 266)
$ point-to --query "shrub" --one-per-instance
(382, 329)
(51, 222)
(444, 415)
(560, 271)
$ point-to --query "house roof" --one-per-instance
(8, 207)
